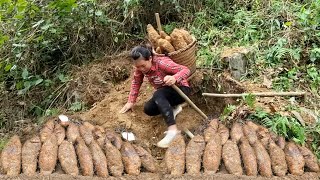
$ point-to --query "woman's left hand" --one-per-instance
(169, 80)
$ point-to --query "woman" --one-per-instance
(162, 73)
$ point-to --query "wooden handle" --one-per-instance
(158, 22)
(189, 101)
(262, 94)
(188, 133)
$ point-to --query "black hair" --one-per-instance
(141, 51)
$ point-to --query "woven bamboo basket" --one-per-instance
(185, 56)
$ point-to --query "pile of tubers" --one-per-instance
(78, 149)
(88, 150)
(163, 43)
(246, 149)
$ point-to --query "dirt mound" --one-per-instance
(149, 130)
(92, 82)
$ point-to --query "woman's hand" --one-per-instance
(169, 80)
(126, 107)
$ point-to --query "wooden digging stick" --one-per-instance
(158, 22)
(261, 94)
(189, 101)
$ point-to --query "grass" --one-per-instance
(290, 128)
(3, 142)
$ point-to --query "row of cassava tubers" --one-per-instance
(245, 149)
(163, 43)
(79, 149)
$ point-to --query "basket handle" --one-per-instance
(158, 22)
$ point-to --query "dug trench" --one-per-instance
(149, 130)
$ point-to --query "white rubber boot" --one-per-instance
(165, 142)
(176, 111)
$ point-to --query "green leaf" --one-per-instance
(51, 112)
(8, 67)
(19, 16)
(98, 13)
(63, 78)
(250, 100)
(47, 26)
(38, 81)
(47, 82)
(19, 55)
(76, 106)
(22, 91)
(53, 31)
(19, 45)
(27, 85)
(289, 23)
(19, 85)
(38, 23)
(3, 39)
(312, 72)
(227, 111)
(25, 73)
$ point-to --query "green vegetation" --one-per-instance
(290, 128)
(3, 142)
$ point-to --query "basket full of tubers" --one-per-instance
(180, 46)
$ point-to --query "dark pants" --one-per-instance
(163, 100)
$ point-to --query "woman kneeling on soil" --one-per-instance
(162, 73)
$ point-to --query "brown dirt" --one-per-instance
(149, 130)
(92, 82)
